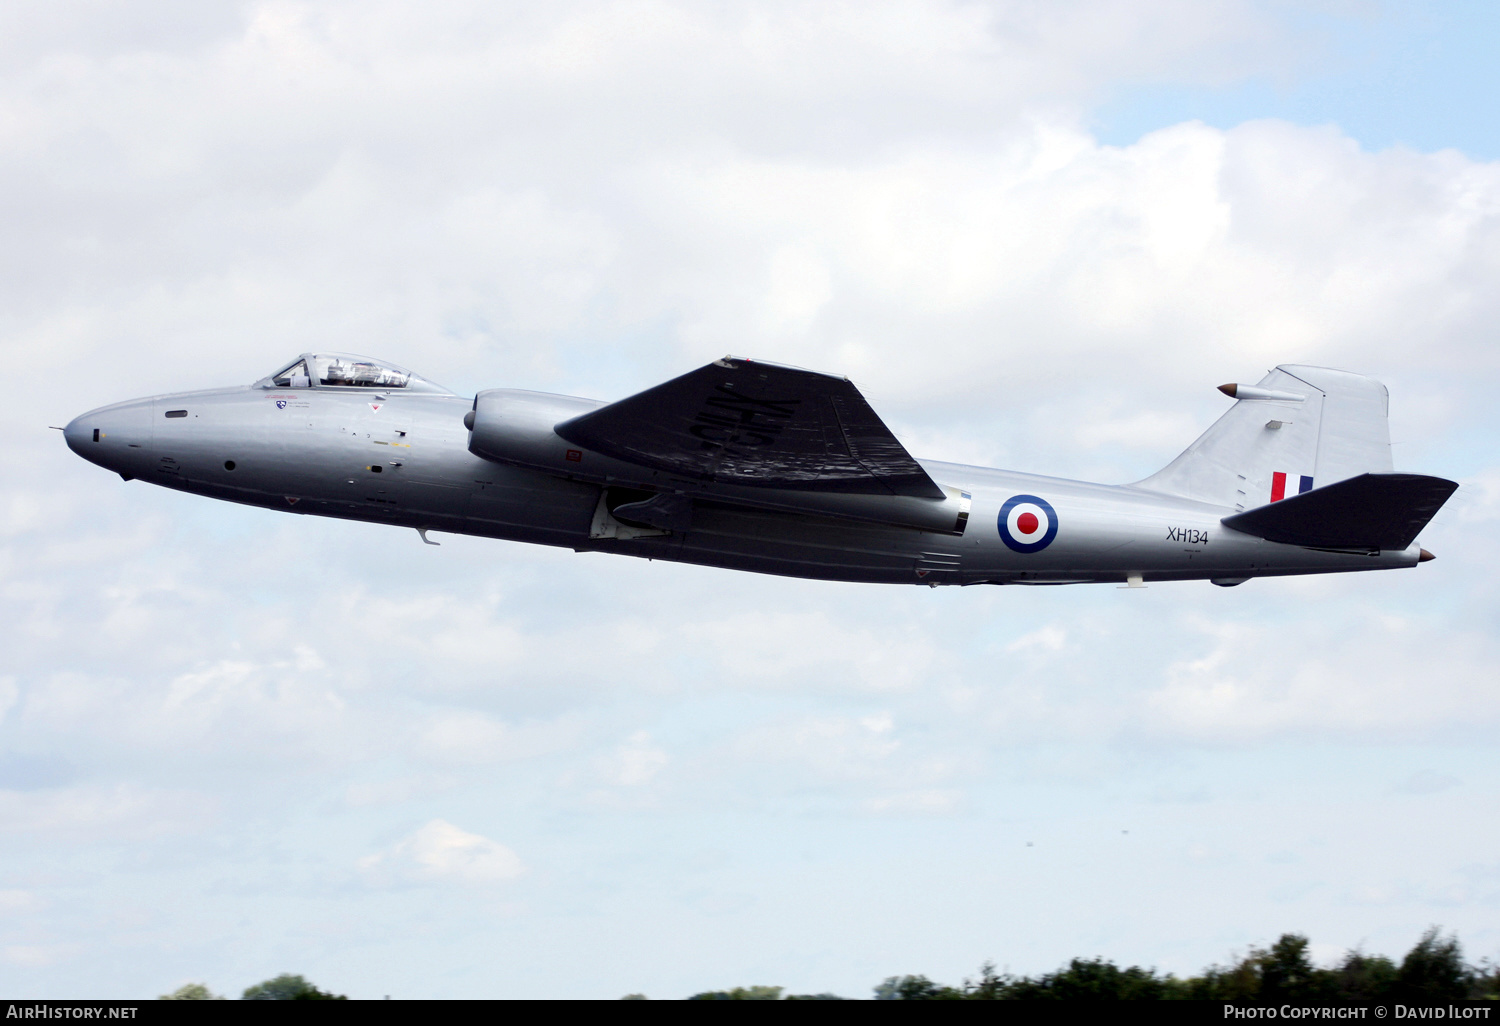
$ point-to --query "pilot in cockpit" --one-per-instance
(337, 370)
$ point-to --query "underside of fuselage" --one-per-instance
(554, 471)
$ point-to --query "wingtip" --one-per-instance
(1425, 557)
(1229, 389)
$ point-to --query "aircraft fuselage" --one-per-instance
(405, 460)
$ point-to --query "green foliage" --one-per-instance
(1361, 977)
(1434, 970)
(740, 994)
(988, 987)
(914, 988)
(1287, 973)
(1089, 980)
(288, 987)
(753, 994)
(1082, 979)
(1486, 982)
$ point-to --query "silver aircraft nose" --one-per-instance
(116, 437)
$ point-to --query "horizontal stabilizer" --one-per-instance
(1371, 511)
(747, 423)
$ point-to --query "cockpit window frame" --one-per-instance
(306, 375)
(414, 382)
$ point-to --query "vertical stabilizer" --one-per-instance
(1299, 428)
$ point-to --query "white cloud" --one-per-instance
(1050, 638)
(811, 645)
(1373, 674)
(367, 793)
(1425, 782)
(282, 704)
(18, 901)
(475, 738)
(37, 956)
(1477, 500)
(121, 811)
(635, 762)
(1149, 429)
(234, 687)
(10, 694)
(839, 748)
(440, 852)
(1096, 256)
(929, 802)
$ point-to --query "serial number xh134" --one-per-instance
(756, 466)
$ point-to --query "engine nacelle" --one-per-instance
(511, 425)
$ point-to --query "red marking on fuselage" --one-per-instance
(1278, 486)
(1027, 523)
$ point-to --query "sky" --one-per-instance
(235, 743)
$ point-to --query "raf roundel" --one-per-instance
(1028, 523)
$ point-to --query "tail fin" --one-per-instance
(1299, 428)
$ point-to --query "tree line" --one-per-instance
(1433, 971)
(286, 987)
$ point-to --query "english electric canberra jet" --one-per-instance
(757, 466)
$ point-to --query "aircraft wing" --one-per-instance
(737, 421)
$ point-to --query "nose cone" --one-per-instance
(116, 437)
(77, 432)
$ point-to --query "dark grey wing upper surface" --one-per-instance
(741, 422)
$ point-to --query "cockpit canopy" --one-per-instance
(345, 371)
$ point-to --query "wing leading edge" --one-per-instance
(737, 421)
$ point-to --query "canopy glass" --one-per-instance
(344, 371)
